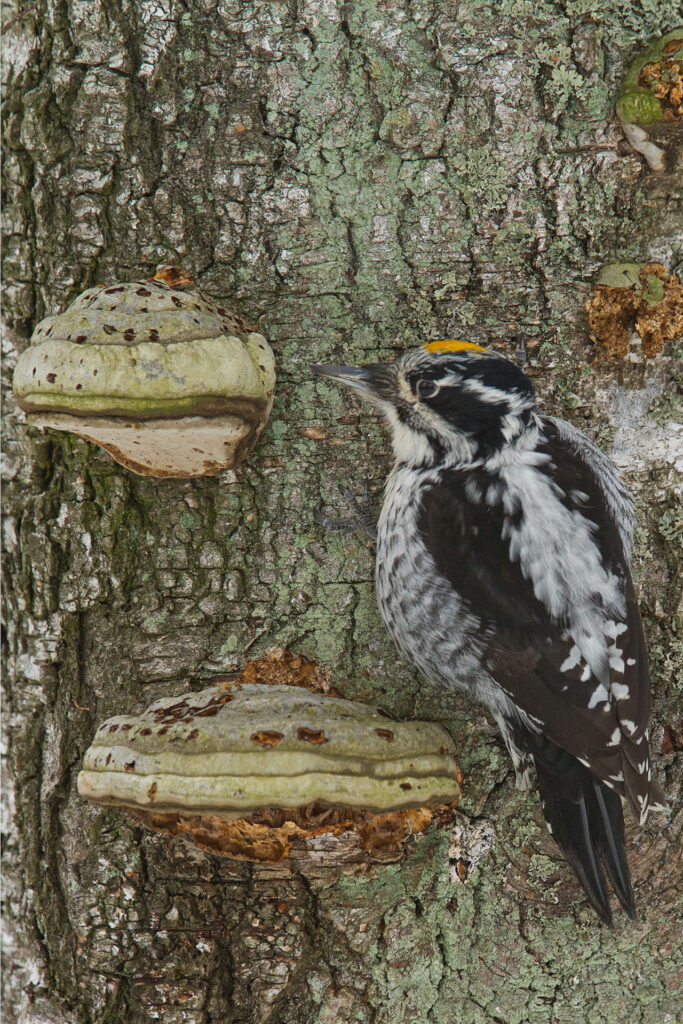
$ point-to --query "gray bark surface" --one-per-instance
(363, 176)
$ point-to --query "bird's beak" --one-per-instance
(377, 381)
(353, 376)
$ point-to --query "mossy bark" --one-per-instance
(362, 176)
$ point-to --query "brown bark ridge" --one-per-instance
(363, 176)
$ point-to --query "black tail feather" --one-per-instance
(610, 838)
(587, 822)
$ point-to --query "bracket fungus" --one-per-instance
(644, 297)
(249, 770)
(651, 97)
(160, 375)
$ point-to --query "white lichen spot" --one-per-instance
(468, 845)
(159, 32)
(640, 141)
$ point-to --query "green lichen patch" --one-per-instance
(652, 90)
(652, 94)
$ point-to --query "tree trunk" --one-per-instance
(363, 176)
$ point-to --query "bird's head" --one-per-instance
(445, 400)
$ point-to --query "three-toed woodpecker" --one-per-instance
(503, 550)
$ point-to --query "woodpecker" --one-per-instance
(503, 569)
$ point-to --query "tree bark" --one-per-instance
(363, 176)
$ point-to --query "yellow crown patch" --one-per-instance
(455, 346)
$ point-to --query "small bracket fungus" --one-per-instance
(646, 297)
(164, 378)
(249, 770)
(652, 95)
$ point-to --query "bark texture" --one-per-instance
(363, 176)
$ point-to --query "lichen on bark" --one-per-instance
(363, 176)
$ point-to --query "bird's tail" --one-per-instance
(586, 820)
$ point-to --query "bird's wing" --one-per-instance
(531, 655)
(582, 451)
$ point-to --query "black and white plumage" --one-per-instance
(503, 556)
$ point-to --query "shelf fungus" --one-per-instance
(651, 98)
(646, 298)
(166, 379)
(251, 770)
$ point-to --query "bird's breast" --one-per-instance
(422, 612)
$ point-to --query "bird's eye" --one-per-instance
(427, 388)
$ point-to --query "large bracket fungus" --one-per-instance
(165, 378)
(248, 770)
(651, 98)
